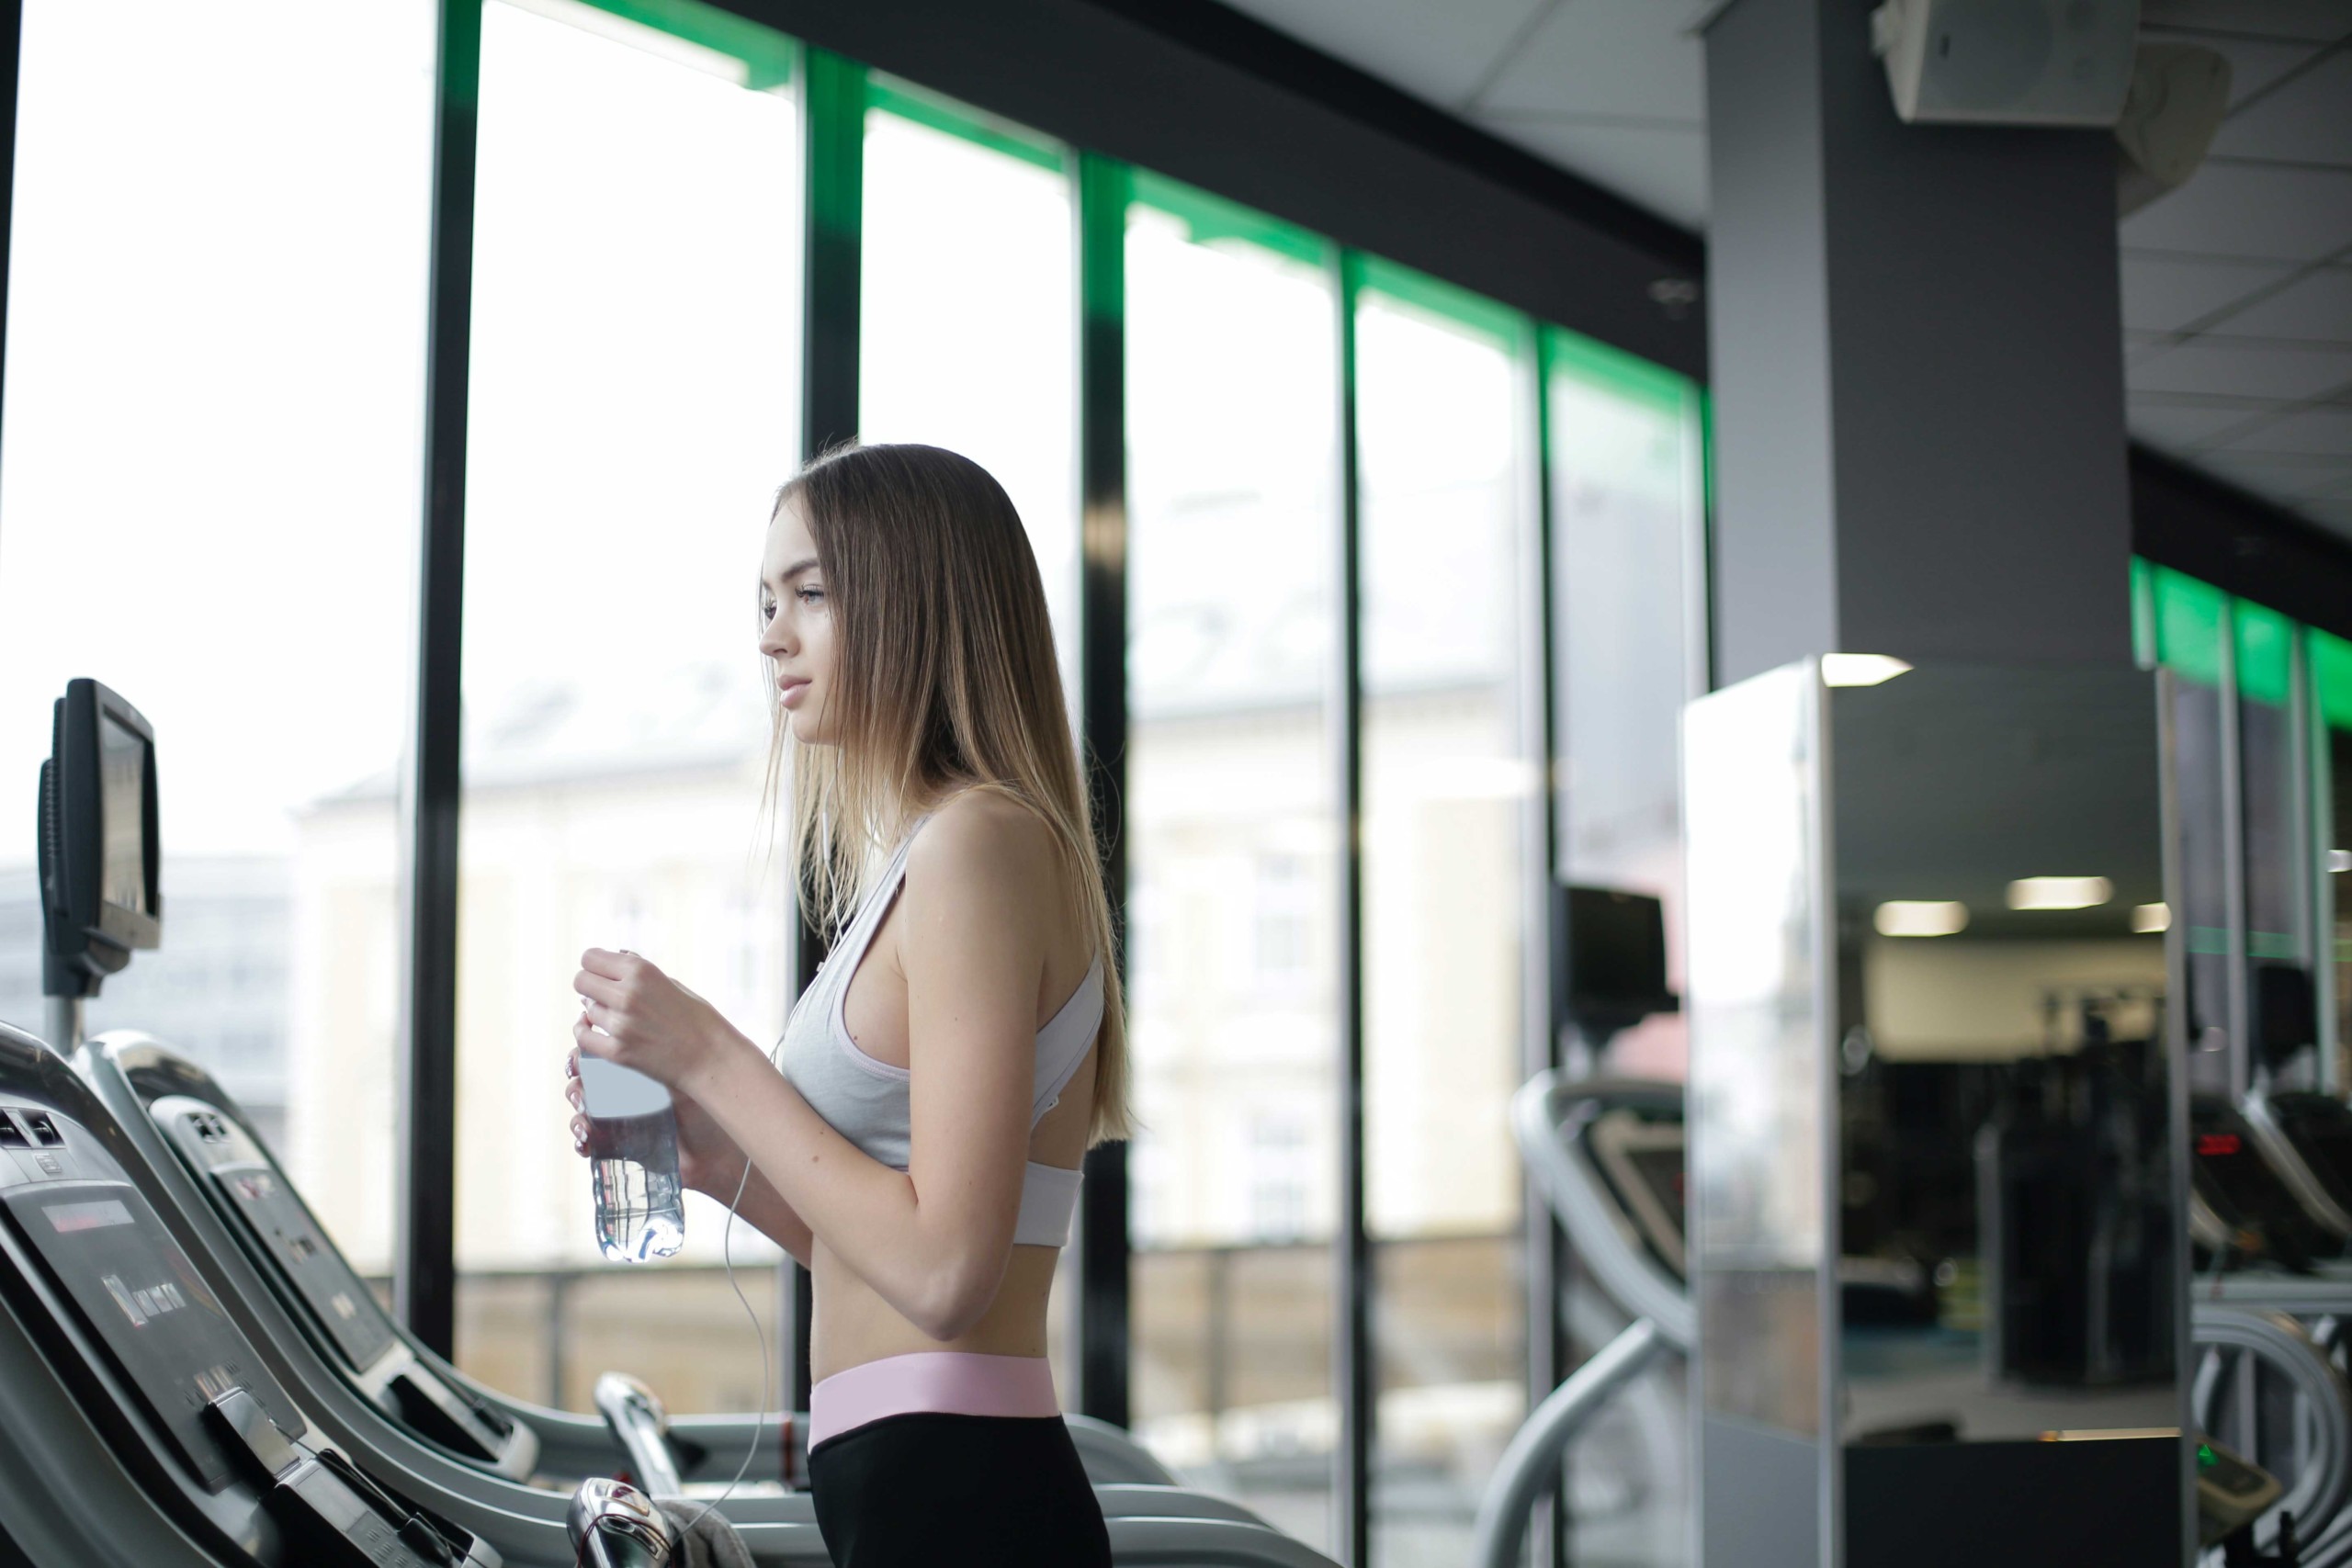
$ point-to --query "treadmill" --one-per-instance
(1148, 1521)
(237, 1198)
(138, 1424)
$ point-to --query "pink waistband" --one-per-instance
(953, 1382)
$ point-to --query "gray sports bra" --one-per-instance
(866, 1101)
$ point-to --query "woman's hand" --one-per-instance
(709, 1162)
(638, 1017)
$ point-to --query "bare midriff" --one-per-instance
(854, 1325)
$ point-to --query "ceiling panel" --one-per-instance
(2308, 120)
(2164, 293)
(1604, 57)
(2320, 431)
(1662, 169)
(2255, 252)
(2255, 63)
(2177, 427)
(2319, 21)
(1443, 53)
(2202, 365)
(2285, 477)
(2235, 210)
(2316, 306)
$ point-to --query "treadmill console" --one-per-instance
(129, 1325)
(2261, 1219)
(283, 1229)
(319, 1285)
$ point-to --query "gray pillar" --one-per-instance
(1917, 357)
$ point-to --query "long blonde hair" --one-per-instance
(945, 680)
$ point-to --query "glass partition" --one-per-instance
(633, 409)
(1445, 783)
(967, 308)
(215, 391)
(2330, 662)
(1231, 848)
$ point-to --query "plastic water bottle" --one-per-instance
(632, 1162)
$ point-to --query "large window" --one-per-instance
(215, 391)
(1231, 366)
(967, 310)
(2259, 717)
(1626, 470)
(633, 408)
(1445, 787)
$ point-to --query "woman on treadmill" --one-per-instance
(949, 1064)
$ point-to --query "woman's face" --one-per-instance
(797, 626)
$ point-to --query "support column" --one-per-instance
(1916, 354)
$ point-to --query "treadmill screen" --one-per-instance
(2240, 1177)
(138, 1291)
(122, 802)
(317, 1268)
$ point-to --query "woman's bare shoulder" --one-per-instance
(981, 838)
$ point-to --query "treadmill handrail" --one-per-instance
(1564, 1177)
(1530, 1466)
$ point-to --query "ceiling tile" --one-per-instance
(2254, 63)
(2319, 21)
(1605, 57)
(2319, 432)
(2284, 478)
(1438, 52)
(2234, 209)
(1663, 170)
(2316, 307)
(2164, 293)
(2177, 427)
(2308, 120)
(2199, 366)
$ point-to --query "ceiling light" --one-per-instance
(1920, 916)
(2150, 918)
(2059, 892)
(1858, 668)
(2339, 859)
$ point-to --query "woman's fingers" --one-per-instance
(593, 986)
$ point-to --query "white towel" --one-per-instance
(706, 1539)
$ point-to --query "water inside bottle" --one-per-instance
(632, 1162)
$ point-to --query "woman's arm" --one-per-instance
(933, 1240)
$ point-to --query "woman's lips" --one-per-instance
(788, 692)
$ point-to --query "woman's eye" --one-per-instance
(811, 595)
(767, 610)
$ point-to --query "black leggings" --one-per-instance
(972, 1491)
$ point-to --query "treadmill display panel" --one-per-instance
(317, 1268)
(139, 1293)
(2234, 1171)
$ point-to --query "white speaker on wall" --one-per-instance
(2008, 62)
